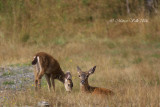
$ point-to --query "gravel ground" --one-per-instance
(16, 77)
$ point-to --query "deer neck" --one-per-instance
(61, 76)
(85, 87)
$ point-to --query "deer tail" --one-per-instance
(34, 60)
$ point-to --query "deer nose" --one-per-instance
(82, 81)
(70, 85)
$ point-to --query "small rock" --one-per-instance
(43, 104)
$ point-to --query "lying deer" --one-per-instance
(48, 66)
(85, 87)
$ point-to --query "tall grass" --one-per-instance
(130, 68)
(38, 21)
(80, 33)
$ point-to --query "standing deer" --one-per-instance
(48, 66)
(85, 87)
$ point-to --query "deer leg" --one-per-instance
(39, 83)
(36, 84)
(39, 78)
(53, 83)
(41, 74)
(48, 81)
(36, 71)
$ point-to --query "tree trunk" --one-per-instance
(151, 6)
(127, 6)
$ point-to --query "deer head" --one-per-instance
(68, 81)
(84, 75)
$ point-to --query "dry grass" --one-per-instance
(128, 67)
(79, 33)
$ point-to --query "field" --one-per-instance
(131, 71)
(127, 55)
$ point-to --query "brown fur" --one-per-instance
(48, 67)
(96, 90)
(85, 87)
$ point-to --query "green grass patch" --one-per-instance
(25, 38)
(21, 64)
(137, 60)
(85, 2)
(125, 54)
(156, 56)
(110, 45)
(157, 45)
(118, 63)
(115, 52)
(59, 40)
(44, 83)
(8, 82)
(86, 58)
(7, 73)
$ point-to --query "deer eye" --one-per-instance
(79, 76)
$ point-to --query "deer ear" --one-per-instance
(91, 71)
(79, 69)
(68, 75)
